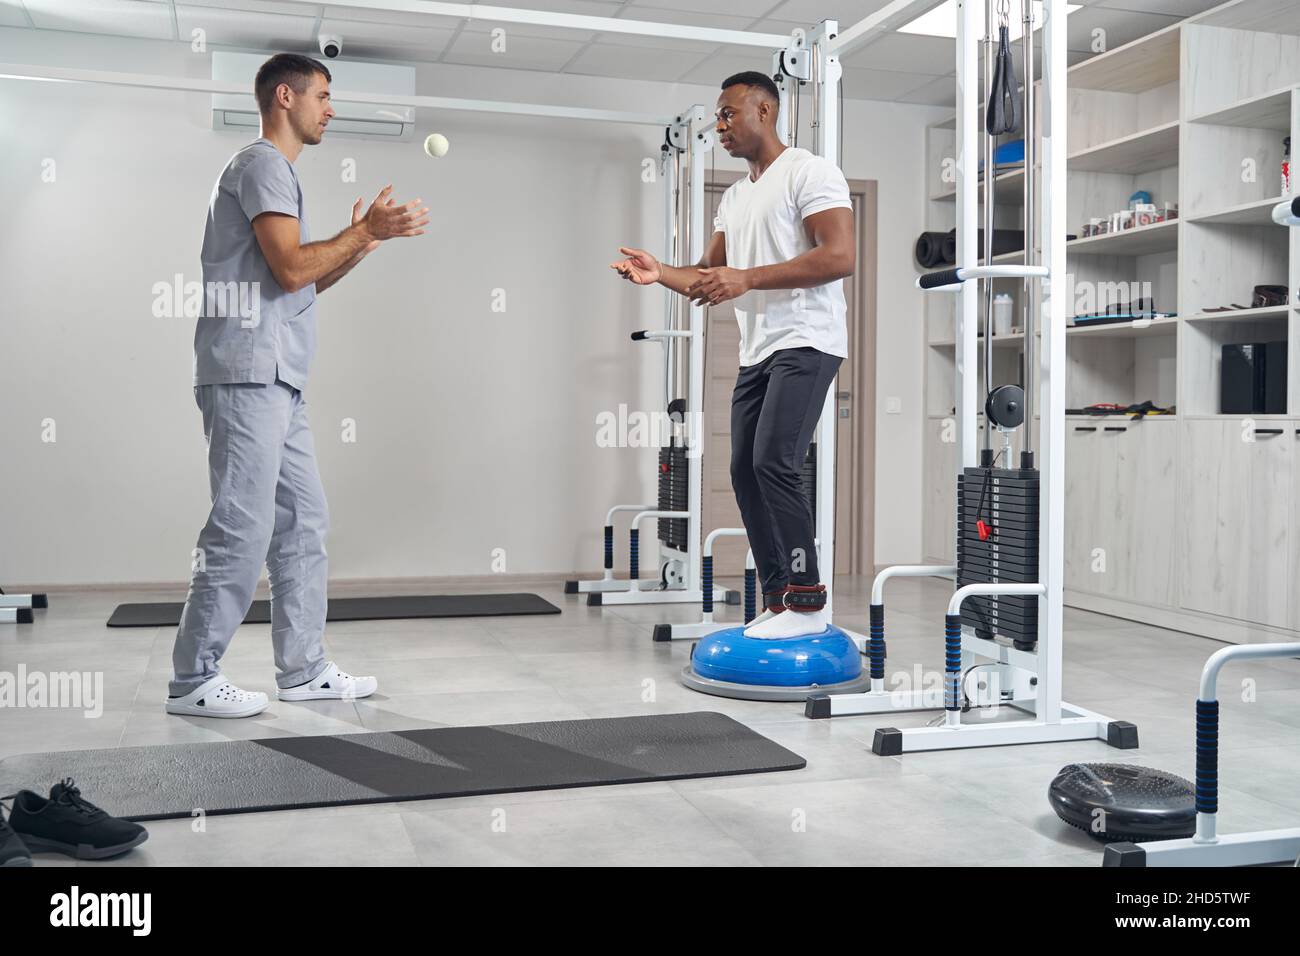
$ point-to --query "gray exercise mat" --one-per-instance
(168, 614)
(285, 773)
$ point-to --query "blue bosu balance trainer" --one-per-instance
(726, 663)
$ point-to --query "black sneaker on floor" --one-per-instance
(65, 823)
(13, 851)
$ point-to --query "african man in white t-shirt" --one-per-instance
(782, 244)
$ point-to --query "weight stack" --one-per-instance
(1007, 500)
(674, 487)
(673, 493)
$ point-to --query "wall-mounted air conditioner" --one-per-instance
(239, 111)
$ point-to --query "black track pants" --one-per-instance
(774, 411)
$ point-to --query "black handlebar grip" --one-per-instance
(639, 336)
(1295, 207)
(933, 280)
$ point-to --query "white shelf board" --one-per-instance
(1266, 111)
(1138, 241)
(1258, 212)
(1125, 330)
(1238, 315)
(1143, 64)
(1008, 189)
(1145, 150)
(1012, 340)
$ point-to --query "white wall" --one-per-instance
(475, 429)
(886, 142)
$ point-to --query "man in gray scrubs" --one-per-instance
(252, 351)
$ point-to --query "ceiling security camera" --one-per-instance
(331, 44)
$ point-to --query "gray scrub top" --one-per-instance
(251, 329)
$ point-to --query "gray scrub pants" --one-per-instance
(268, 508)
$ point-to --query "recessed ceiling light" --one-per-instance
(942, 20)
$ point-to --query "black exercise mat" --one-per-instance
(359, 609)
(283, 773)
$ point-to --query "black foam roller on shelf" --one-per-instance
(929, 249)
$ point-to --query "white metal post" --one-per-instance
(701, 142)
(966, 166)
(690, 133)
(826, 142)
(670, 164)
(1036, 686)
(1051, 451)
(783, 100)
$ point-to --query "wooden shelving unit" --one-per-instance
(1195, 114)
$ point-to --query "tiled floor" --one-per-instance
(971, 807)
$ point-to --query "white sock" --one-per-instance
(790, 624)
(767, 615)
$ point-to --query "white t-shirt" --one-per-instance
(763, 224)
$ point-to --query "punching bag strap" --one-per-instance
(1003, 115)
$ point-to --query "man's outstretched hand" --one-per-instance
(385, 219)
(357, 216)
(639, 266)
(718, 285)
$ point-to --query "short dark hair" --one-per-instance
(291, 68)
(754, 78)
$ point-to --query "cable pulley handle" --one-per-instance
(935, 280)
(1003, 115)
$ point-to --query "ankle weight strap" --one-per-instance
(800, 597)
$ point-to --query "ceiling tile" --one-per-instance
(629, 62)
(345, 14)
(936, 92)
(485, 26)
(11, 14)
(1176, 8)
(906, 52)
(783, 27)
(881, 84)
(473, 48)
(751, 9)
(390, 41)
(389, 52)
(809, 12)
(590, 8)
(260, 6)
(697, 47)
(262, 31)
(351, 30)
(135, 18)
(713, 70)
(679, 17)
(695, 18)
